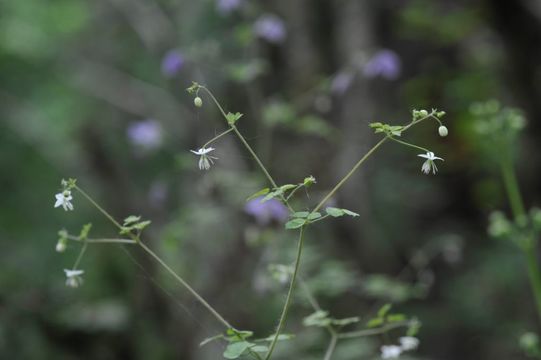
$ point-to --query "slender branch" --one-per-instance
(80, 256)
(103, 241)
(217, 137)
(186, 285)
(408, 144)
(289, 294)
(331, 348)
(105, 213)
(348, 175)
(136, 239)
(371, 332)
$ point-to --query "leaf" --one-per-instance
(260, 348)
(375, 322)
(131, 219)
(346, 321)
(295, 223)
(236, 335)
(281, 337)
(287, 187)
(258, 194)
(319, 318)
(336, 212)
(233, 118)
(84, 231)
(306, 215)
(271, 195)
(384, 310)
(236, 349)
(210, 339)
(141, 225)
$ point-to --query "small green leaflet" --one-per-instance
(295, 223)
(393, 130)
(306, 215)
(319, 318)
(336, 212)
(233, 118)
(258, 194)
(133, 222)
(236, 349)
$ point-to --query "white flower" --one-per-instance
(442, 130)
(205, 160)
(409, 343)
(64, 199)
(73, 278)
(429, 163)
(390, 351)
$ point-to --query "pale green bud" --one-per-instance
(442, 130)
(198, 101)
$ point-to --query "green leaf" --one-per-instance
(236, 349)
(210, 339)
(236, 335)
(258, 194)
(287, 187)
(384, 310)
(375, 322)
(233, 118)
(319, 318)
(131, 219)
(295, 223)
(260, 348)
(272, 195)
(301, 214)
(336, 212)
(281, 337)
(345, 321)
(84, 231)
(141, 225)
(396, 318)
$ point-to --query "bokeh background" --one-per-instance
(96, 90)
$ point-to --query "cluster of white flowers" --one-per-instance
(205, 160)
(407, 343)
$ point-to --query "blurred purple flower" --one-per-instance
(226, 7)
(341, 82)
(266, 212)
(384, 63)
(271, 28)
(147, 133)
(172, 62)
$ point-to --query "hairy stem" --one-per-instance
(289, 297)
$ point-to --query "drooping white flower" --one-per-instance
(64, 199)
(60, 246)
(74, 278)
(408, 343)
(429, 164)
(390, 351)
(205, 160)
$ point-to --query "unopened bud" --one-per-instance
(442, 130)
(198, 101)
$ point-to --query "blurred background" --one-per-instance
(96, 91)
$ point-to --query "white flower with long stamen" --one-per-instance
(408, 343)
(74, 278)
(205, 160)
(429, 164)
(64, 199)
(390, 351)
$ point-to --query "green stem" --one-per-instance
(103, 241)
(331, 348)
(348, 175)
(247, 146)
(292, 192)
(217, 137)
(136, 239)
(80, 256)
(289, 295)
(408, 144)
(105, 213)
(371, 332)
(186, 285)
(517, 206)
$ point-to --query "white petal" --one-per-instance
(426, 156)
(58, 203)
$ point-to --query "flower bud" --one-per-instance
(442, 130)
(61, 245)
(198, 101)
(423, 113)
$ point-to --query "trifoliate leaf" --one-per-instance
(233, 118)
